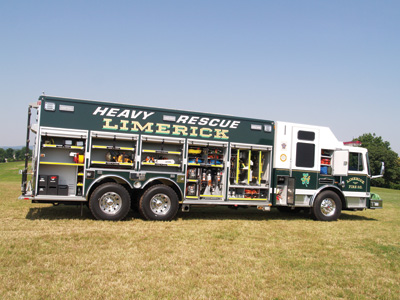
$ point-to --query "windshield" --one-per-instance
(369, 168)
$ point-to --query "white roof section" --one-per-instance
(327, 139)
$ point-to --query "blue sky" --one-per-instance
(329, 63)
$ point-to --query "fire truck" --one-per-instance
(114, 157)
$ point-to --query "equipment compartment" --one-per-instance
(164, 153)
(249, 169)
(206, 172)
(61, 162)
(113, 150)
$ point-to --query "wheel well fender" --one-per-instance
(107, 178)
(332, 188)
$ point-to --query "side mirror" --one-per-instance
(382, 168)
(381, 173)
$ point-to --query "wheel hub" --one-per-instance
(160, 204)
(328, 207)
(110, 203)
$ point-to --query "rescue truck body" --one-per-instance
(116, 156)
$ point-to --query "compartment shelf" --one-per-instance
(160, 164)
(113, 148)
(111, 163)
(205, 165)
(211, 196)
(254, 187)
(60, 163)
(62, 146)
(162, 152)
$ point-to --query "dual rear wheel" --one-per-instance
(111, 201)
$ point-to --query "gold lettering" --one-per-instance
(123, 125)
(138, 127)
(220, 134)
(193, 131)
(108, 126)
(163, 128)
(179, 130)
(203, 134)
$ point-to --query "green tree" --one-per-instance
(380, 151)
(2, 154)
(20, 154)
(10, 154)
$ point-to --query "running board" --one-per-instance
(217, 202)
(54, 199)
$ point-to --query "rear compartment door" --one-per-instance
(340, 163)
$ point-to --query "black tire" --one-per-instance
(159, 202)
(327, 206)
(110, 201)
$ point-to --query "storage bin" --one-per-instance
(324, 170)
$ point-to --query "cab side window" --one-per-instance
(305, 151)
(356, 162)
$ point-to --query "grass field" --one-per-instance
(52, 252)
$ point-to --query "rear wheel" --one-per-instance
(160, 202)
(327, 206)
(110, 201)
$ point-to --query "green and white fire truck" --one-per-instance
(116, 156)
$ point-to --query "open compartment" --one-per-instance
(61, 162)
(326, 162)
(206, 171)
(109, 150)
(161, 154)
(249, 172)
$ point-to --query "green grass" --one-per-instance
(209, 253)
(10, 171)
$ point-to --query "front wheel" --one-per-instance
(160, 202)
(327, 206)
(110, 201)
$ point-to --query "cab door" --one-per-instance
(354, 184)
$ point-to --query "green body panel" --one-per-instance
(356, 183)
(305, 180)
(133, 119)
(150, 121)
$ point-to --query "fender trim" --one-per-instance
(325, 187)
(162, 179)
(108, 176)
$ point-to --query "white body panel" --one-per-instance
(285, 137)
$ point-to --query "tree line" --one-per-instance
(11, 154)
(379, 151)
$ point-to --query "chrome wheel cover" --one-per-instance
(110, 203)
(160, 204)
(328, 207)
